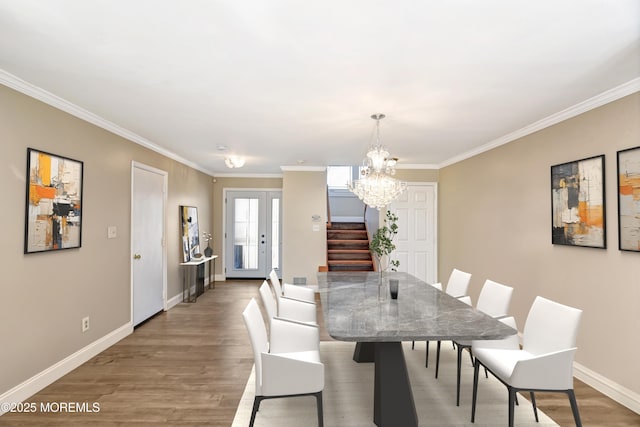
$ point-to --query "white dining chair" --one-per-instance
(545, 362)
(287, 363)
(291, 291)
(457, 287)
(494, 301)
(438, 286)
(300, 311)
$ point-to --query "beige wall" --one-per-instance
(495, 222)
(304, 194)
(417, 175)
(45, 295)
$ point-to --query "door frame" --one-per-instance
(225, 190)
(165, 185)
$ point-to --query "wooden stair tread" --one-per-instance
(348, 247)
(347, 226)
(349, 261)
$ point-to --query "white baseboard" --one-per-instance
(172, 302)
(615, 391)
(41, 380)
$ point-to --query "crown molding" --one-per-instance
(417, 166)
(603, 98)
(49, 98)
(303, 168)
(247, 175)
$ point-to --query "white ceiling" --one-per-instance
(290, 83)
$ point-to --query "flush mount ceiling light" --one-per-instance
(234, 162)
(377, 188)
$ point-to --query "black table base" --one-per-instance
(364, 352)
(393, 397)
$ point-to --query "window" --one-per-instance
(339, 177)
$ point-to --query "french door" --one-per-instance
(252, 233)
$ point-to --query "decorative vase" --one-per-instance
(382, 287)
(208, 251)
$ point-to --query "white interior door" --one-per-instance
(417, 224)
(148, 264)
(252, 233)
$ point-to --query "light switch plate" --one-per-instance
(112, 232)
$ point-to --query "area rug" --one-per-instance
(348, 394)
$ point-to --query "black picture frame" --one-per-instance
(578, 211)
(628, 173)
(53, 207)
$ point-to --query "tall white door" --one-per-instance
(252, 233)
(148, 264)
(417, 224)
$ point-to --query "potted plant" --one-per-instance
(382, 246)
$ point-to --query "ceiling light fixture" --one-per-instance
(234, 162)
(377, 188)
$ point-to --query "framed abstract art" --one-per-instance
(629, 199)
(190, 233)
(578, 203)
(53, 218)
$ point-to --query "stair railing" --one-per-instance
(366, 227)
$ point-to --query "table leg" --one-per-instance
(393, 398)
(186, 285)
(364, 352)
(212, 278)
(190, 278)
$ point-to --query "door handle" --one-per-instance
(137, 256)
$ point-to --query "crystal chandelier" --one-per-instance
(377, 188)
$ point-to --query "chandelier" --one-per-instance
(377, 188)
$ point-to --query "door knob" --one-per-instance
(137, 256)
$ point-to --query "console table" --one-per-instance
(188, 273)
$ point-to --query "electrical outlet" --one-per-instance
(85, 324)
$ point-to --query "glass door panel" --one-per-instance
(245, 234)
(276, 244)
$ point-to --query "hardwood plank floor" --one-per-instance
(189, 367)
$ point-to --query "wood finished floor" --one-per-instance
(189, 366)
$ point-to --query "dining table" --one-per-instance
(357, 307)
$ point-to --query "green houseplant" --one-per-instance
(382, 245)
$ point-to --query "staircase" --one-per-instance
(348, 247)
